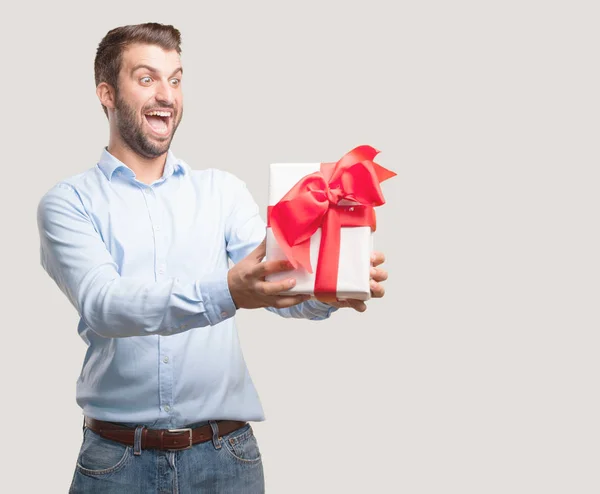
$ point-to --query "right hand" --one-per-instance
(248, 287)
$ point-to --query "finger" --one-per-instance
(379, 274)
(357, 305)
(275, 287)
(270, 267)
(260, 252)
(282, 302)
(377, 290)
(377, 258)
(340, 304)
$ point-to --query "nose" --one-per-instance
(165, 93)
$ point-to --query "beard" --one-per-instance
(133, 135)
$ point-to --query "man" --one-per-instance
(140, 245)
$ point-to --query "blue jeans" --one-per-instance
(229, 464)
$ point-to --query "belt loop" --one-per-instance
(137, 440)
(215, 431)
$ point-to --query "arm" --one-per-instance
(75, 257)
(245, 230)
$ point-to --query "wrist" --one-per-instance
(231, 286)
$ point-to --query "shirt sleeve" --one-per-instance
(76, 258)
(245, 230)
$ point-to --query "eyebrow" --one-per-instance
(154, 70)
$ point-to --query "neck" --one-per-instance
(147, 170)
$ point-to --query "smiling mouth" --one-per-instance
(159, 121)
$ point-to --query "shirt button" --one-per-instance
(166, 360)
(167, 408)
(223, 314)
(161, 271)
(157, 228)
(148, 191)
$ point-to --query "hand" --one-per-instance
(377, 290)
(248, 287)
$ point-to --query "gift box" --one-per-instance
(321, 218)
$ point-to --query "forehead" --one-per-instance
(152, 55)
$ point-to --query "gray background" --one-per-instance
(478, 371)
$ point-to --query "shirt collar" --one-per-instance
(108, 164)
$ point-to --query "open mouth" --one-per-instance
(159, 121)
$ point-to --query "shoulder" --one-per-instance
(215, 177)
(223, 188)
(91, 178)
(67, 193)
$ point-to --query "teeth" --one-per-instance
(159, 113)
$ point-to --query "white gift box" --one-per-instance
(356, 243)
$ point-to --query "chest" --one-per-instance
(176, 230)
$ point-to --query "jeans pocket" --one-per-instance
(242, 445)
(99, 456)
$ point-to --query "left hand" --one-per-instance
(377, 290)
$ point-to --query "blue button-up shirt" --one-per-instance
(146, 268)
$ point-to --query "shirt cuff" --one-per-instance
(214, 292)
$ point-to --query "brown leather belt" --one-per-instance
(165, 439)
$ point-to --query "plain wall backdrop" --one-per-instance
(478, 371)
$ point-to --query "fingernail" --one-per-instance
(373, 284)
(291, 282)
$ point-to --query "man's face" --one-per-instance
(149, 101)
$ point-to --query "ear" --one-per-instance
(106, 94)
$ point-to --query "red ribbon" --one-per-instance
(313, 203)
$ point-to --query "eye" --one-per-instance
(146, 80)
(175, 82)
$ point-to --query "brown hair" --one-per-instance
(110, 50)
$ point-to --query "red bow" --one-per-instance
(313, 203)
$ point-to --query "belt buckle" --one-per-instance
(176, 431)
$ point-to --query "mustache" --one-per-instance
(161, 107)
